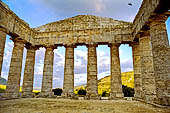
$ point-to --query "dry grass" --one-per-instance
(40, 105)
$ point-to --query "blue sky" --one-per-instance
(39, 12)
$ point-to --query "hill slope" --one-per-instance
(127, 80)
(3, 81)
(104, 83)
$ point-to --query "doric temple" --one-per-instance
(147, 36)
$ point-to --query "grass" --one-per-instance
(3, 88)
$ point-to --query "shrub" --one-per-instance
(128, 91)
(37, 93)
(57, 91)
(82, 92)
(105, 94)
(2, 90)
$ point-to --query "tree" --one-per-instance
(128, 91)
(82, 92)
(57, 91)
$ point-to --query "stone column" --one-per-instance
(161, 59)
(92, 81)
(14, 76)
(29, 72)
(2, 46)
(47, 82)
(116, 82)
(137, 70)
(147, 70)
(68, 85)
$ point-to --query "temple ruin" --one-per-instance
(147, 36)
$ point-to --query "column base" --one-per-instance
(92, 97)
(46, 94)
(28, 95)
(163, 101)
(68, 94)
(117, 96)
(12, 95)
(150, 98)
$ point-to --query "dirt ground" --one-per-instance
(40, 105)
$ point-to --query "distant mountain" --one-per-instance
(3, 81)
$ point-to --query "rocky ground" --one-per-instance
(40, 105)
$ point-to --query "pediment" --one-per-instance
(82, 22)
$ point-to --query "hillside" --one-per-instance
(104, 83)
(3, 81)
(127, 80)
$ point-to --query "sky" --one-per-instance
(39, 12)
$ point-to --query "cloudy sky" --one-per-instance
(39, 12)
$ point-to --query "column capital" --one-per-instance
(158, 18)
(92, 44)
(114, 44)
(50, 48)
(31, 47)
(18, 39)
(70, 45)
(133, 43)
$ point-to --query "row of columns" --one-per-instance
(151, 60)
(13, 85)
(151, 67)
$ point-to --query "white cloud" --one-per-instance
(117, 9)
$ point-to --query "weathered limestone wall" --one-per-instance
(47, 82)
(2, 47)
(137, 69)
(15, 26)
(147, 69)
(116, 82)
(68, 86)
(92, 81)
(14, 76)
(161, 59)
(84, 29)
(27, 87)
(145, 12)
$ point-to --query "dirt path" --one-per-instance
(40, 105)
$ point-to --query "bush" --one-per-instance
(128, 91)
(57, 91)
(37, 93)
(82, 92)
(2, 90)
(105, 94)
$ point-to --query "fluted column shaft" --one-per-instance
(47, 82)
(147, 70)
(92, 83)
(2, 47)
(29, 73)
(14, 76)
(161, 59)
(68, 86)
(137, 70)
(116, 82)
